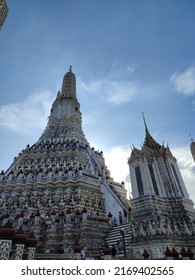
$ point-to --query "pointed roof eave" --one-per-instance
(168, 152)
(135, 154)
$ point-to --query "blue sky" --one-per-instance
(129, 57)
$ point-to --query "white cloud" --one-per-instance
(184, 82)
(119, 87)
(131, 68)
(114, 91)
(26, 116)
(184, 159)
(121, 92)
(89, 87)
(187, 168)
(116, 161)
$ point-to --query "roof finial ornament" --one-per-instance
(146, 128)
(149, 141)
(144, 118)
(70, 69)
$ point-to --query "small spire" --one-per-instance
(143, 117)
(146, 128)
(163, 143)
(70, 69)
(149, 141)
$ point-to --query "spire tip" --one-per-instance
(145, 122)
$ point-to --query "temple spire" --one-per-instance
(146, 128)
(65, 120)
(149, 141)
(69, 85)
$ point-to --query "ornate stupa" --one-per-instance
(59, 188)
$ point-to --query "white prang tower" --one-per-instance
(60, 188)
(162, 217)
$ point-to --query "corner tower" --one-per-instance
(161, 207)
(154, 170)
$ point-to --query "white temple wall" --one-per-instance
(147, 181)
(111, 204)
(186, 194)
(159, 182)
(134, 187)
